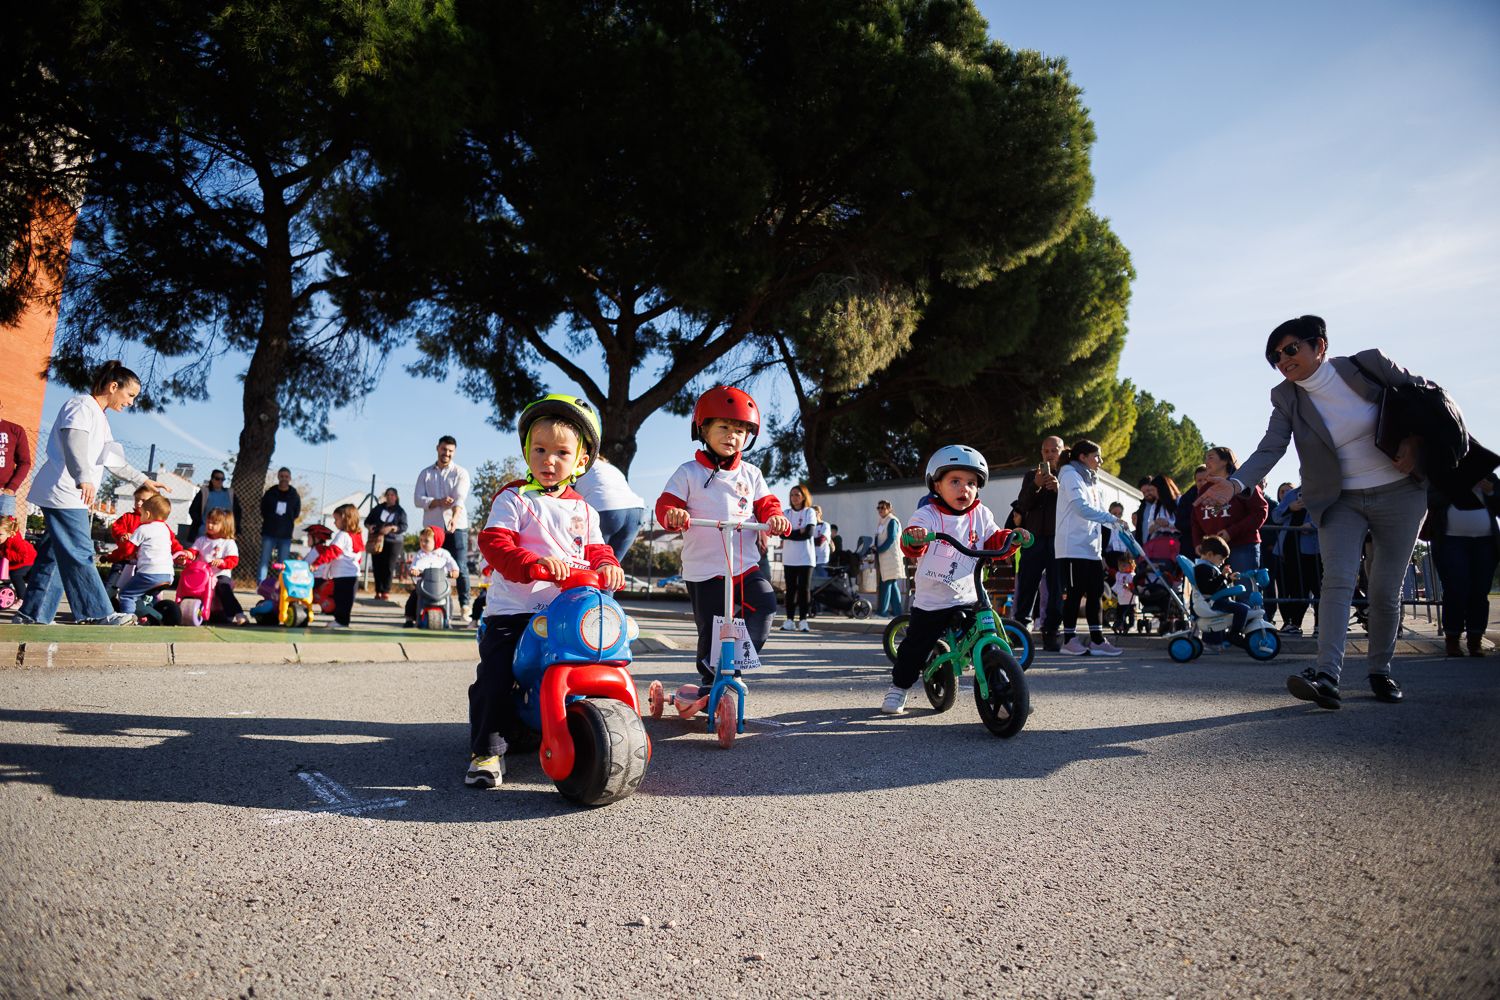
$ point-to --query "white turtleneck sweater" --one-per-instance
(1351, 422)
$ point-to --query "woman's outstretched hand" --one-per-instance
(1217, 493)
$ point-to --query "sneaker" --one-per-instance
(485, 772)
(1290, 630)
(1105, 648)
(20, 619)
(1385, 688)
(118, 618)
(1317, 687)
(895, 701)
(802, 626)
(788, 626)
(1073, 647)
(337, 626)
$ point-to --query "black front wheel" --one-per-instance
(1007, 705)
(941, 687)
(895, 632)
(609, 752)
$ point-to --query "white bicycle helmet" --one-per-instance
(956, 456)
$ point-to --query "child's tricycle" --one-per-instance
(1210, 626)
(432, 598)
(725, 701)
(573, 687)
(976, 639)
(195, 592)
(292, 605)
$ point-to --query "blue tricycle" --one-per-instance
(573, 687)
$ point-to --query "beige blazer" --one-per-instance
(1294, 418)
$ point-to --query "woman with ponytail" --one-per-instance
(79, 449)
(1081, 514)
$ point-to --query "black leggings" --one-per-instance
(798, 590)
(756, 600)
(1083, 582)
(343, 598)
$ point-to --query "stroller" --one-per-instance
(836, 592)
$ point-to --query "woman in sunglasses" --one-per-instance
(1328, 409)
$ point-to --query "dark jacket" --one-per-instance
(273, 525)
(373, 519)
(196, 512)
(1438, 502)
(1166, 506)
(1185, 518)
(1038, 508)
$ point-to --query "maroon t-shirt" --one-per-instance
(15, 455)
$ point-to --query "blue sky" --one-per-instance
(1259, 161)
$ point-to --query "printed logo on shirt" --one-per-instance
(578, 528)
(743, 489)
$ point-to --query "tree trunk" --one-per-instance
(261, 402)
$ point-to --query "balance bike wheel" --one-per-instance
(192, 611)
(1005, 709)
(610, 752)
(1019, 638)
(726, 718)
(941, 687)
(1263, 644)
(434, 618)
(861, 609)
(1181, 649)
(894, 633)
(656, 697)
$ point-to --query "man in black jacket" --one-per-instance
(279, 509)
(1037, 506)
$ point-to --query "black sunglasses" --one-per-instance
(1290, 350)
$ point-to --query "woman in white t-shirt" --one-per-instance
(798, 558)
(79, 448)
(620, 508)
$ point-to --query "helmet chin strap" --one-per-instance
(579, 468)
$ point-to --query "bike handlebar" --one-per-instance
(575, 578)
(1004, 553)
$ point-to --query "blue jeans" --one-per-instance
(619, 528)
(890, 599)
(65, 565)
(1391, 515)
(137, 585)
(457, 544)
(1239, 609)
(8, 506)
(1467, 568)
(282, 547)
(1244, 558)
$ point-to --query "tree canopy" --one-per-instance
(210, 133)
(653, 184)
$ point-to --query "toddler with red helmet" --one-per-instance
(719, 484)
(538, 521)
(944, 577)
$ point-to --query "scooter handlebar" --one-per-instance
(708, 522)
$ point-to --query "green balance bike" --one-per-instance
(975, 638)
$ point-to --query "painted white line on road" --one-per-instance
(248, 712)
(771, 722)
(336, 799)
(196, 673)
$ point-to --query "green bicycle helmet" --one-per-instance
(575, 410)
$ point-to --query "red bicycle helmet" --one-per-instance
(724, 402)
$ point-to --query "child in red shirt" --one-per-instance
(17, 551)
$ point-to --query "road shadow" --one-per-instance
(261, 763)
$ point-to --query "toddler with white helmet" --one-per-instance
(944, 577)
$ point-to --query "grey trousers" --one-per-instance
(1392, 514)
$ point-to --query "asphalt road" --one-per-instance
(1157, 829)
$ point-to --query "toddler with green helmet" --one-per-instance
(539, 521)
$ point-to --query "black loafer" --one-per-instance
(1319, 688)
(1385, 687)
